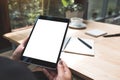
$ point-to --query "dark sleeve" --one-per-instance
(12, 70)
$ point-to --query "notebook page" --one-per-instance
(76, 46)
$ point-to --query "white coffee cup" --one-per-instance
(77, 22)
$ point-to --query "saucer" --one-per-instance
(77, 26)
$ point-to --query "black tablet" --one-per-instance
(45, 42)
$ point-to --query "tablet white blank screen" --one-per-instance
(46, 40)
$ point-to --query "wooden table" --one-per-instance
(17, 36)
(105, 65)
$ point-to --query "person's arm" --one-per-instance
(18, 51)
(63, 72)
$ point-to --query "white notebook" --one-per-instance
(96, 32)
(76, 46)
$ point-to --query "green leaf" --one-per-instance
(67, 2)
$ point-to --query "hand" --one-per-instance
(17, 53)
(63, 72)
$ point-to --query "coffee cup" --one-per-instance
(76, 22)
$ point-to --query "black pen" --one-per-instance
(112, 35)
(85, 43)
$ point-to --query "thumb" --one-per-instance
(60, 68)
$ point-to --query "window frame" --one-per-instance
(104, 10)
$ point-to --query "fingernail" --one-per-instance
(60, 62)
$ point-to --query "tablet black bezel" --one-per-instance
(41, 62)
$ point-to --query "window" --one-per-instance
(23, 12)
(103, 9)
(118, 7)
(95, 9)
(111, 9)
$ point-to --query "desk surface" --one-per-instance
(105, 65)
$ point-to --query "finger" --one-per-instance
(53, 73)
(37, 69)
(24, 41)
(60, 68)
(20, 48)
(47, 73)
(64, 65)
(17, 53)
(66, 69)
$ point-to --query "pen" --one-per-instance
(85, 43)
(112, 35)
(67, 42)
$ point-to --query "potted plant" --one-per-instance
(71, 9)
